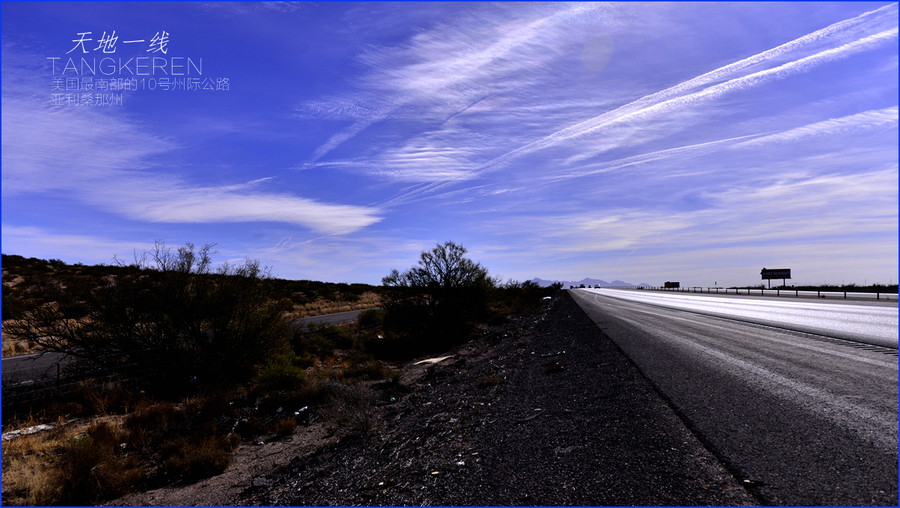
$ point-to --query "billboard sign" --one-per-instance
(776, 273)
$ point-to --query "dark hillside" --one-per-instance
(21, 276)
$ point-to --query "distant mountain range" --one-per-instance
(589, 282)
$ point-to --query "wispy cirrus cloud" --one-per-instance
(873, 119)
(119, 166)
(443, 72)
(655, 116)
(857, 123)
(543, 136)
(787, 209)
(649, 108)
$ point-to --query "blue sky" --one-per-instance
(696, 142)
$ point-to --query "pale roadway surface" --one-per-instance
(333, 319)
(804, 419)
(31, 367)
(871, 322)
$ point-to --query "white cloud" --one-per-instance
(455, 64)
(880, 119)
(787, 209)
(649, 109)
(46, 148)
(181, 204)
(442, 72)
(485, 124)
(112, 163)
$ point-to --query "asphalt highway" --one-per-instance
(870, 322)
(800, 418)
(29, 368)
(333, 319)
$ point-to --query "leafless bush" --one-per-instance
(351, 407)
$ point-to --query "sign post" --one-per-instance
(776, 273)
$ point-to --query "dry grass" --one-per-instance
(13, 347)
(101, 458)
(321, 306)
(34, 471)
(192, 460)
(285, 426)
(94, 466)
(27, 479)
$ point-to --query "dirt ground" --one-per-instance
(542, 410)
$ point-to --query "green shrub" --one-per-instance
(306, 360)
(281, 373)
(321, 339)
(371, 319)
(438, 301)
(520, 297)
(365, 366)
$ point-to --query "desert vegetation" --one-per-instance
(437, 303)
(180, 362)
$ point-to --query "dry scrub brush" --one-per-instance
(170, 311)
(351, 407)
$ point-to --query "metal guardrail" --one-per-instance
(797, 293)
(24, 391)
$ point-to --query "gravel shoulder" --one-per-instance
(542, 410)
